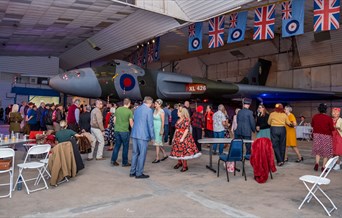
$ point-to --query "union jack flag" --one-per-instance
(216, 32)
(326, 15)
(192, 30)
(264, 23)
(286, 10)
(233, 20)
(150, 53)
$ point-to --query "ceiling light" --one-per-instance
(93, 45)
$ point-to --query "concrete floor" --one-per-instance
(101, 190)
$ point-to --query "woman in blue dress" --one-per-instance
(158, 125)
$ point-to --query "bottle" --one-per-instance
(19, 185)
(12, 135)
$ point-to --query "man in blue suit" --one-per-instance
(142, 133)
(245, 124)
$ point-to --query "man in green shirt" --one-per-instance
(123, 118)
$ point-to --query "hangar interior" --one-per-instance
(40, 39)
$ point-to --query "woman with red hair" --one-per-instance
(278, 120)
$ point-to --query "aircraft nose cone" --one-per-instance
(81, 82)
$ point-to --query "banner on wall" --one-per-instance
(237, 26)
(216, 32)
(292, 17)
(195, 37)
(264, 22)
(326, 15)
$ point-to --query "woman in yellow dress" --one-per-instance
(291, 139)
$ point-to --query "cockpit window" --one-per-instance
(72, 74)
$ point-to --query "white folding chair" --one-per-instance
(45, 170)
(35, 150)
(8, 153)
(317, 181)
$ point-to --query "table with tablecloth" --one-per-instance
(303, 132)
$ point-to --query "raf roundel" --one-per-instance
(195, 43)
(236, 34)
(127, 82)
(292, 26)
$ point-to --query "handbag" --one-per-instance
(5, 164)
(230, 167)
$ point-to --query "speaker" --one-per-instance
(322, 36)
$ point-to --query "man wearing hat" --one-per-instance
(245, 124)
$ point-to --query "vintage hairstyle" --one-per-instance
(322, 108)
(15, 108)
(279, 108)
(184, 112)
(159, 101)
(288, 107)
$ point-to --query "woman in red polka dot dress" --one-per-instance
(323, 127)
(183, 146)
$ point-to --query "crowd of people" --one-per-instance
(178, 126)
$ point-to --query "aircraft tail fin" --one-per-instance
(259, 73)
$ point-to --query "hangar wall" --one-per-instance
(313, 65)
(13, 66)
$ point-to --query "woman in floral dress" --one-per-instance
(110, 132)
(183, 147)
(337, 135)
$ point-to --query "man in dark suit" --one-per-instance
(142, 133)
(245, 124)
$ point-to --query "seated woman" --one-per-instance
(65, 134)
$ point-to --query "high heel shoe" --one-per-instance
(316, 167)
(156, 161)
(184, 169)
(177, 166)
(300, 160)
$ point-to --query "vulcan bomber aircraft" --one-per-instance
(120, 79)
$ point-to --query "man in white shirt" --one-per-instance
(219, 120)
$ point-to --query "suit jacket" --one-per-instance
(143, 123)
(245, 122)
(62, 162)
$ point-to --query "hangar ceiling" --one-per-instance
(70, 29)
